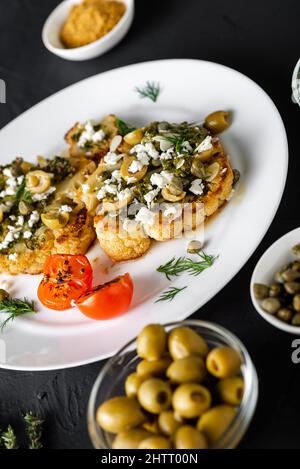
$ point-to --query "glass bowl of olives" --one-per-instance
(275, 283)
(182, 385)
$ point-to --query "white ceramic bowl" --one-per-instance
(55, 21)
(273, 259)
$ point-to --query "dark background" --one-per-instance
(257, 38)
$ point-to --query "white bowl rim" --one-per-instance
(273, 320)
(86, 48)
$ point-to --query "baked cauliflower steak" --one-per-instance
(159, 181)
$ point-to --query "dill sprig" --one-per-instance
(9, 439)
(169, 294)
(151, 90)
(176, 266)
(15, 307)
(123, 127)
(34, 430)
(177, 141)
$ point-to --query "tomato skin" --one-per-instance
(66, 278)
(109, 300)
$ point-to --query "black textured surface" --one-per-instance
(257, 38)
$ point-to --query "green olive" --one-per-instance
(285, 314)
(134, 137)
(271, 305)
(55, 220)
(155, 442)
(188, 437)
(184, 342)
(296, 250)
(38, 181)
(188, 369)
(119, 413)
(260, 291)
(132, 384)
(230, 390)
(170, 197)
(296, 320)
(217, 122)
(292, 287)
(290, 275)
(130, 439)
(168, 423)
(190, 400)
(4, 295)
(296, 302)
(215, 421)
(275, 290)
(125, 169)
(155, 368)
(155, 395)
(151, 342)
(223, 362)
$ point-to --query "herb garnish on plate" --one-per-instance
(15, 307)
(151, 90)
(185, 264)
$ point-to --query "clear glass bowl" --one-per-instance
(111, 379)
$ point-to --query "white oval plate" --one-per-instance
(191, 89)
(276, 256)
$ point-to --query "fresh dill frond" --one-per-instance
(9, 439)
(177, 266)
(34, 430)
(151, 90)
(15, 307)
(169, 294)
(123, 127)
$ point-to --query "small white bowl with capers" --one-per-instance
(275, 284)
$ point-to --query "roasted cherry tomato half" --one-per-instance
(108, 300)
(66, 278)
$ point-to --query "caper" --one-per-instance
(188, 369)
(236, 176)
(260, 291)
(119, 413)
(275, 290)
(154, 395)
(198, 168)
(133, 383)
(217, 121)
(292, 287)
(223, 362)
(190, 400)
(151, 342)
(290, 275)
(184, 342)
(130, 439)
(215, 421)
(154, 368)
(175, 187)
(278, 277)
(168, 423)
(296, 319)
(4, 295)
(24, 208)
(271, 305)
(188, 437)
(296, 302)
(212, 171)
(155, 442)
(194, 246)
(284, 314)
(230, 390)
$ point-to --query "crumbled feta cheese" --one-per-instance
(112, 158)
(20, 180)
(150, 196)
(161, 179)
(27, 234)
(197, 187)
(124, 194)
(12, 217)
(33, 219)
(65, 209)
(151, 150)
(145, 151)
(13, 257)
(204, 145)
(129, 225)
(43, 195)
(116, 175)
(98, 136)
(187, 146)
(89, 135)
(7, 172)
(111, 188)
(86, 188)
(173, 211)
(20, 220)
(101, 193)
(145, 216)
(130, 180)
(135, 166)
(167, 155)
